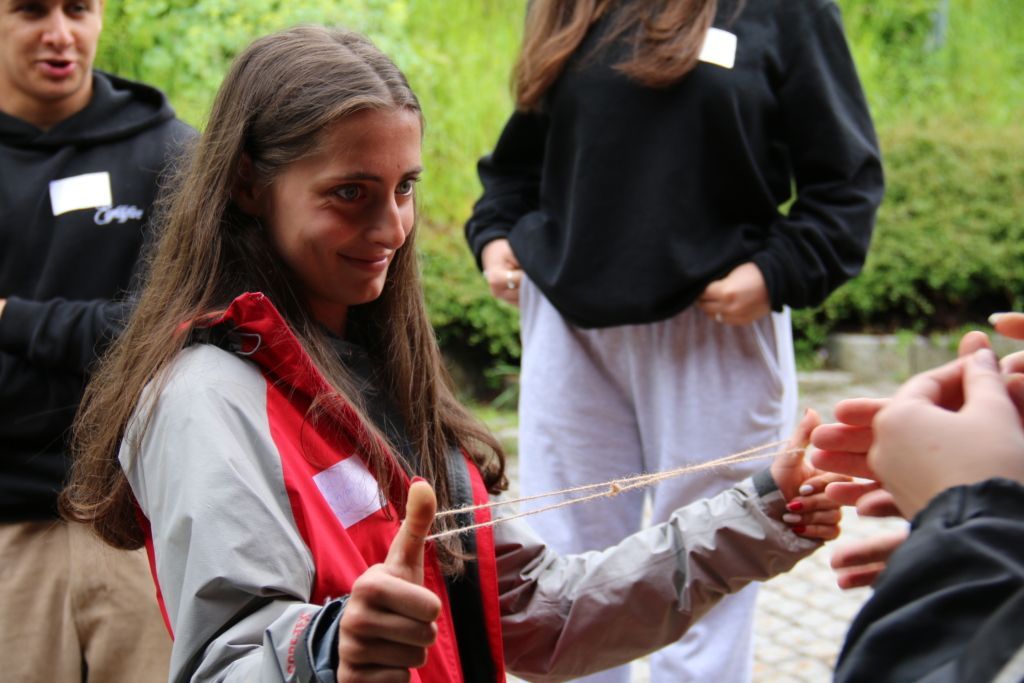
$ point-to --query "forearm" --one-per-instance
(823, 238)
(511, 181)
(567, 616)
(281, 641)
(963, 560)
(59, 334)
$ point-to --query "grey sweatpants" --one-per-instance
(603, 403)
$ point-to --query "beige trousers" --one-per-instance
(73, 609)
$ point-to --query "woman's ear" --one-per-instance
(244, 192)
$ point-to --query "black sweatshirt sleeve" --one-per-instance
(837, 166)
(59, 334)
(950, 605)
(511, 180)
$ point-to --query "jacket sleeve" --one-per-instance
(567, 616)
(949, 605)
(823, 240)
(234, 573)
(511, 180)
(59, 334)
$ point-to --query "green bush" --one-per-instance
(942, 77)
(462, 309)
(457, 56)
(949, 243)
(922, 60)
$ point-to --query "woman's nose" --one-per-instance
(391, 229)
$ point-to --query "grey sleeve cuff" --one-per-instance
(764, 484)
(316, 660)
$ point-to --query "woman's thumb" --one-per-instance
(405, 557)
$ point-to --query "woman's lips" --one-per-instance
(373, 265)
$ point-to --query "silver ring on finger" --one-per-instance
(509, 282)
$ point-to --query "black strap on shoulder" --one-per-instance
(464, 595)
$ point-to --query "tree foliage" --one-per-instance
(942, 77)
(457, 55)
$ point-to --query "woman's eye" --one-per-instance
(406, 187)
(349, 193)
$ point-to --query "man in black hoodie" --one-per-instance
(81, 153)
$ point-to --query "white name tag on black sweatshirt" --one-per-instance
(87, 191)
(719, 48)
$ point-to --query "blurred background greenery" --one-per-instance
(945, 79)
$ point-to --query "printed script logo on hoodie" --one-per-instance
(105, 215)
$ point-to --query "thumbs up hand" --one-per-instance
(388, 623)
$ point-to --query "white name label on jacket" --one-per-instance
(87, 191)
(719, 48)
(350, 490)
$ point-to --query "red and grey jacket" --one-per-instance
(260, 519)
(283, 483)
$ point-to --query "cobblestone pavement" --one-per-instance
(802, 616)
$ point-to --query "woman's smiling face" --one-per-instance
(337, 217)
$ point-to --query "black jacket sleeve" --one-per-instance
(59, 334)
(950, 604)
(511, 180)
(837, 167)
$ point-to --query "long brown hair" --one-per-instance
(666, 37)
(281, 93)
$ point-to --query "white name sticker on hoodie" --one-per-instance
(719, 48)
(350, 490)
(87, 191)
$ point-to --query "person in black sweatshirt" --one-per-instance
(675, 177)
(81, 155)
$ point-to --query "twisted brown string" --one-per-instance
(605, 489)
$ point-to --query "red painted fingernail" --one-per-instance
(799, 529)
(795, 506)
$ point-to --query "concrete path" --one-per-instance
(802, 616)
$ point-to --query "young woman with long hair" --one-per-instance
(278, 390)
(677, 175)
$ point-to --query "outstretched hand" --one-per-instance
(388, 623)
(922, 448)
(844, 446)
(810, 512)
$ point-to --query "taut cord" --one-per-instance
(605, 489)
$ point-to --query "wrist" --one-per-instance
(993, 497)
(493, 254)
